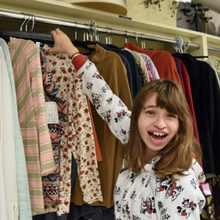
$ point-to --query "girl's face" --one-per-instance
(156, 126)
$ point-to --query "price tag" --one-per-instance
(206, 189)
(52, 113)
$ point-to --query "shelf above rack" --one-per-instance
(67, 12)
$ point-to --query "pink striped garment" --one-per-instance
(32, 117)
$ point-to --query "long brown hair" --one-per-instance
(176, 157)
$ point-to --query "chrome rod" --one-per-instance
(88, 27)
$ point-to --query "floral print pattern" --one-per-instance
(78, 137)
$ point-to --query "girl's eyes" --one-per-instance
(171, 115)
(149, 112)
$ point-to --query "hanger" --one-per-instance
(136, 39)
(36, 37)
(27, 35)
(84, 45)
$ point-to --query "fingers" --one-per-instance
(62, 43)
(58, 31)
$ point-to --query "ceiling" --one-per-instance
(211, 4)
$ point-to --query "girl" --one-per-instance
(159, 179)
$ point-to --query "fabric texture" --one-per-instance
(113, 71)
(21, 169)
(147, 195)
(135, 79)
(186, 86)
(142, 69)
(78, 137)
(163, 61)
(216, 62)
(9, 192)
(211, 210)
(32, 117)
(51, 184)
(206, 95)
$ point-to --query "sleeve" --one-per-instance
(182, 199)
(109, 106)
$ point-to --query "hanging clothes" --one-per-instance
(186, 86)
(78, 138)
(32, 117)
(142, 69)
(22, 179)
(135, 79)
(112, 69)
(51, 182)
(206, 95)
(211, 210)
(152, 70)
(216, 62)
(9, 192)
(162, 60)
(215, 69)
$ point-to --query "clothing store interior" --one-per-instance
(72, 175)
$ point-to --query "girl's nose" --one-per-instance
(160, 122)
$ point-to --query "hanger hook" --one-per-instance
(126, 36)
(106, 38)
(143, 45)
(26, 24)
(110, 36)
(87, 36)
(33, 23)
(185, 45)
(136, 38)
(179, 44)
(25, 19)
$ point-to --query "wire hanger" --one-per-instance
(28, 35)
(126, 37)
(143, 44)
(136, 39)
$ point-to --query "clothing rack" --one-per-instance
(214, 49)
(90, 28)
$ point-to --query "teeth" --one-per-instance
(158, 134)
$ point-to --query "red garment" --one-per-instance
(163, 61)
(78, 61)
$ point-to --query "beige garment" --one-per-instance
(141, 66)
(216, 62)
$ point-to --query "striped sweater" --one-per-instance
(32, 117)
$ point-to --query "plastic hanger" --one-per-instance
(84, 45)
